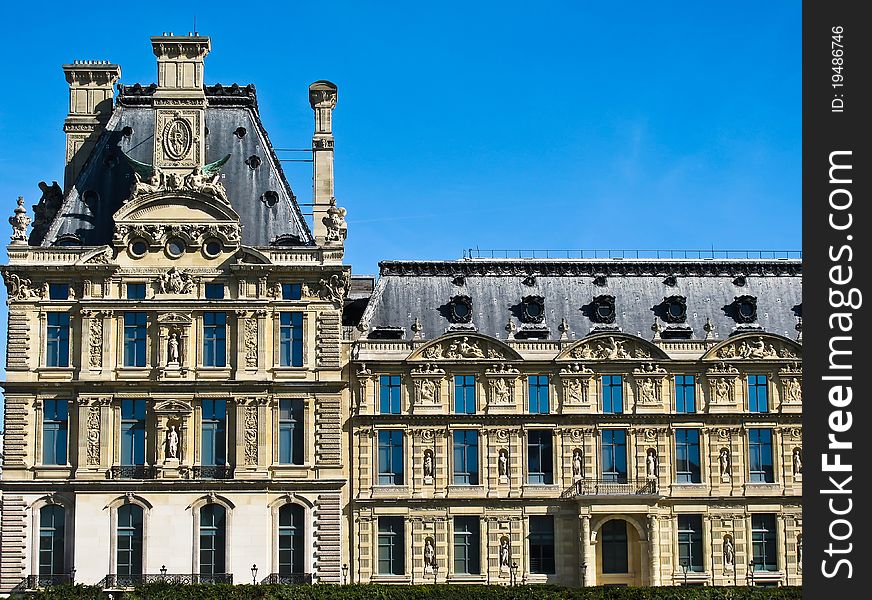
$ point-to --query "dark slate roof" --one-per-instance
(105, 180)
(408, 290)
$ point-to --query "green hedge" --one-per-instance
(160, 591)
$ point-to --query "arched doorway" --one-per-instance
(619, 554)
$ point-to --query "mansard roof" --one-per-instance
(640, 291)
(256, 185)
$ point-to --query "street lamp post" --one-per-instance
(583, 574)
(684, 568)
(253, 574)
(344, 573)
(751, 570)
(163, 572)
(435, 571)
(514, 572)
(73, 576)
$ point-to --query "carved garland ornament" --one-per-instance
(95, 341)
(250, 435)
(250, 343)
(94, 435)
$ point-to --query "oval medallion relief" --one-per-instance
(177, 139)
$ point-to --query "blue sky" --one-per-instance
(485, 124)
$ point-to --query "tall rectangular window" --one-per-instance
(136, 291)
(213, 535)
(687, 467)
(466, 457)
(690, 542)
(763, 542)
(292, 291)
(467, 541)
(391, 546)
(389, 395)
(542, 544)
(214, 436)
(613, 394)
(129, 540)
(57, 335)
(58, 291)
(537, 386)
(214, 291)
(760, 456)
(291, 339)
(292, 530)
(132, 432)
(135, 326)
(614, 455)
(52, 540)
(55, 424)
(464, 394)
(290, 432)
(685, 394)
(540, 457)
(214, 339)
(758, 398)
(390, 457)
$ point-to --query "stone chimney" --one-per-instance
(180, 102)
(92, 84)
(322, 97)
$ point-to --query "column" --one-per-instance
(654, 549)
(588, 557)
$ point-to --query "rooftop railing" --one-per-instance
(711, 254)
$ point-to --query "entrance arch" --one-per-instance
(621, 552)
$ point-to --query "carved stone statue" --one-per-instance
(175, 281)
(428, 463)
(19, 222)
(799, 552)
(576, 464)
(797, 461)
(428, 391)
(502, 393)
(722, 390)
(724, 461)
(729, 551)
(172, 450)
(651, 464)
(503, 464)
(429, 554)
(504, 552)
(173, 350)
(337, 229)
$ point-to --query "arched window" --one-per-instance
(213, 519)
(51, 540)
(291, 540)
(614, 536)
(129, 540)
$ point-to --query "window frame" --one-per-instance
(755, 389)
(135, 339)
(393, 401)
(218, 532)
(57, 339)
(296, 532)
(539, 543)
(684, 450)
(58, 547)
(136, 535)
(607, 382)
(689, 532)
(138, 437)
(214, 339)
(219, 442)
(466, 470)
(539, 387)
(768, 540)
(615, 453)
(757, 456)
(682, 387)
(387, 471)
(620, 539)
(467, 384)
(290, 342)
(292, 426)
(466, 545)
(392, 529)
(543, 454)
(59, 423)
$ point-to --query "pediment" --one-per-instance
(755, 346)
(180, 206)
(612, 346)
(174, 319)
(173, 407)
(465, 346)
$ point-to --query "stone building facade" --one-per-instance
(174, 391)
(196, 385)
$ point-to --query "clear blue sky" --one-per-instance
(463, 124)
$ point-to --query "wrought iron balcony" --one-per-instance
(32, 582)
(115, 581)
(213, 472)
(287, 579)
(611, 487)
(132, 472)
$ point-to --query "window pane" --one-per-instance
(537, 386)
(291, 339)
(214, 291)
(391, 546)
(291, 540)
(467, 545)
(390, 457)
(291, 435)
(614, 540)
(539, 457)
(51, 540)
(136, 291)
(214, 339)
(614, 455)
(542, 544)
(212, 539)
(58, 291)
(466, 457)
(57, 339)
(613, 394)
(685, 394)
(389, 394)
(763, 540)
(464, 394)
(55, 424)
(690, 542)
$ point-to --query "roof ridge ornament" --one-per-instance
(19, 222)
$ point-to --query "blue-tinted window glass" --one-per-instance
(291, 432)
(132, 431)
(537, 386)
(758, 398)
(55, 424)
(763, 541)
(51, 540)
(291, 339)
(136, 291)
(214, 427)
(466, 457)
(690, 542)
(542, 544)
(129, 540)
(214, 339)
(135, 328)
(291, 540)
(685, 394)
(760, 455)
(291, 291)
(58, 291)
(212, 539)
(687, 467)
(391, 546)
(614, 455)
(214, 291)
(613, 394)
(389, 394)
(464, 394)
(57, 351)
(467, 545)
(390, 457)
(540, 457)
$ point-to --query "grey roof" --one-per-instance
(408, 290)
(104, 182)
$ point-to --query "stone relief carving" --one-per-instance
(334, 289)
(792, 391)
(723, 368)
(755, 349)
(250, 343)
(20, 288)
(428, 391)
(95, 341)
(206, 180)
(460, 349)
(648, 390)
(250, 435)
(722, 390)
(337, 229)
(19, 222)
(94, 435)
(175, 281)
(575, 390)
(501, 391)
(609, 349)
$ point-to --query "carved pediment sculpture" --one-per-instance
(613, 347)
(175, 281)
(756, 347)
(148, 179)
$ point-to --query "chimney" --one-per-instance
(180, 102)
(91, 94)
(322, 97)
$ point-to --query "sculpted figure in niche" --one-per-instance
(504, 552)
(651, 464)
(799, 552)
(729, 551)
(428, 390)
(429, 553)
(173, 349)
(724, 461)
(576, 464)
(503, 464)
(646, 391)
(501, 390)
(797, 461)
(428, 463)
(722, 390)
(172, 450)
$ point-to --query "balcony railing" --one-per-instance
(213, 472)
(132, 472)
(115, 581)
(287, 579)
(609, 487)
(32, 582)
